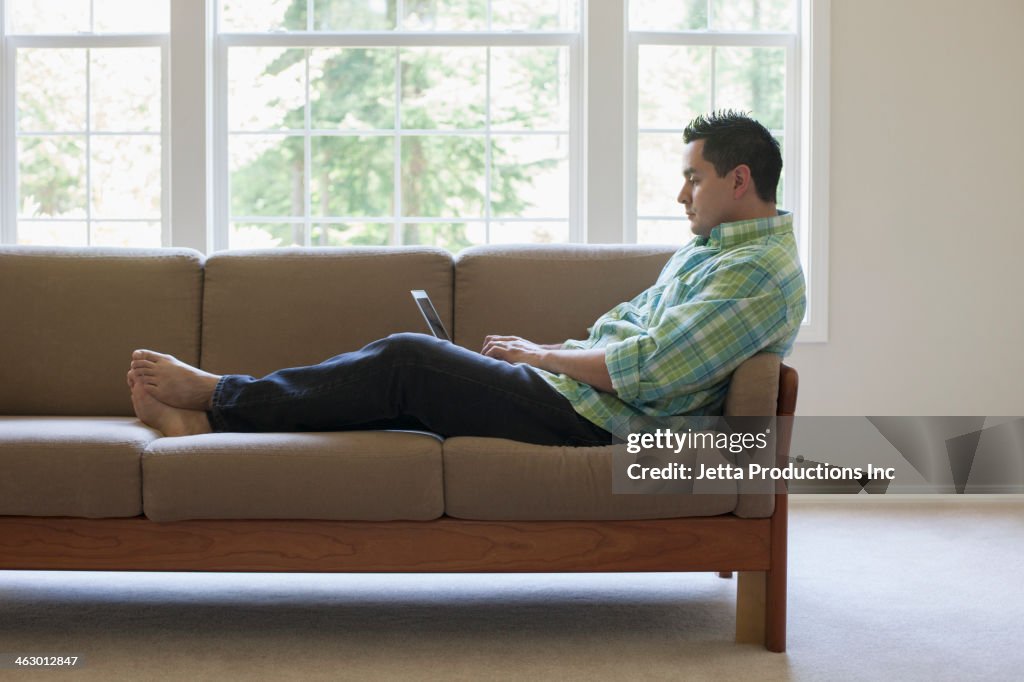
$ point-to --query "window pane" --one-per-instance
(530, 88)
(352, 234)
(530, 176)
(659, 174)
(443, 87)
(674, 85)
(49, 16)
(442, 176)
(753, 15)
(663, 232)
(352, 89)
(125, 87)
(267, 175)
(46, 233)
(266, 88)
(529, 233)
(668, 15)
(353, 176)
(263, 15)
(353, 15)
(445, 15)
(51, 176)
(534, 15)
(132, 16)
(752, 79)
(453, 237)
(126, 176)
(137, 234)
(51, 90)
(264, 235)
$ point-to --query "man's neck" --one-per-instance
(760, 210)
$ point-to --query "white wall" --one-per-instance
(926, 231)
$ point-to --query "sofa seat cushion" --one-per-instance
(503, 480)
(354, 476)
(72, 466)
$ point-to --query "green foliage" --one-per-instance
(353, 175)
(51, 173)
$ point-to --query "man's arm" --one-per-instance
(587, 366)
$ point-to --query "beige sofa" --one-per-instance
(84, 485)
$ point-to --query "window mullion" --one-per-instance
(487, 142)
(604, 211)
(189, 221)
(307, 160)
(396, 226)
(8, 144)
(88, 144)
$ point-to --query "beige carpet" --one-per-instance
(927, 589)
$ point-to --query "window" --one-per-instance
(443, 122)
(84, 96)
(448, 125)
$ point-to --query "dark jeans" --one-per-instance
(405, 381)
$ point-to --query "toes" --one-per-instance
(140, 376)
(143, 364)
(145, 354)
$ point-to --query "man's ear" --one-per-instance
(742, 181)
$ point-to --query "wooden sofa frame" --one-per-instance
(756, 548)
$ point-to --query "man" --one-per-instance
(736, 289)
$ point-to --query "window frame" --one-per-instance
(224, 41)
(9, 194)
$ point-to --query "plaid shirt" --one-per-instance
(672, 350)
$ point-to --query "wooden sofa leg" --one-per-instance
(751, 592)
(775, 611)
(761, 601)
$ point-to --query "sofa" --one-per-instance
(86, 486)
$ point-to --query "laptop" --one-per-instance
(430, 314)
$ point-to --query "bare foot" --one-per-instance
(170, 421)
(173, 382)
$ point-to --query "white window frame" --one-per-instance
(571, 40)
(8, 119)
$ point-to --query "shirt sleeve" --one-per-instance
(737, 311)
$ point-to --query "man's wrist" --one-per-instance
(546, 360)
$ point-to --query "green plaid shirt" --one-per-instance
(672, 350)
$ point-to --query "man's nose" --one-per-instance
(684, 196)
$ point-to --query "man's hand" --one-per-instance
(587, 366)
(513, 349)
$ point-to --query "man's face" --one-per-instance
(709, 199)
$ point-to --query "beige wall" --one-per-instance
(927, 243)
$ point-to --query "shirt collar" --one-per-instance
(728, 235)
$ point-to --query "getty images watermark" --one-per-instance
(728, 455)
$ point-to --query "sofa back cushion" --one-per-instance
(268, 309)
(547, 293)
(72, 316)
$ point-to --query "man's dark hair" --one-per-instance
(732, 138)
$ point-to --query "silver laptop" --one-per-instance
(430, 314)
